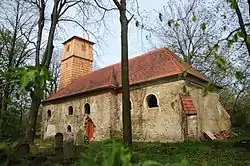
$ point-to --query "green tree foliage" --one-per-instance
(13, 51)
(214, 39)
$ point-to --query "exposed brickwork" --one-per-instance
(211, 116)
(188, 105)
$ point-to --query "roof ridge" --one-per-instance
(118, 63)
(110, 76)
(146, 53)
(174, 58)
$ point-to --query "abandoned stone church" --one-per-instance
(166, 105)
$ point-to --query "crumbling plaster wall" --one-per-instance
(164, 123)
(100, 106)
(156, 124)
(149, 124)
(211, 115)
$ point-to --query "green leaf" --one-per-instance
(32, 75)
(210, 87)
(233, 4)
(177, 24)
(184, 74)
(248, 39)
(24, 81)
(194, 18)
(235, 37)
(42, 72)
(239, 75)
(221, 63)
(230, 43)
(241, 34)
(203, 26)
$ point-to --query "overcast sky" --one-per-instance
(109, 50)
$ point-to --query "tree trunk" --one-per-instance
(4, 105)
(36, 99)
(242, 27)
(126, 114)
(31, 125)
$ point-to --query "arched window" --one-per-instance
(69, 128)
(70, 110)
(49, 113)
(152, 101)
(87, 108)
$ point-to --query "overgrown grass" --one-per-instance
(212, 153)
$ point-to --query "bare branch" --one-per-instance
(106, 9)
(118, 5)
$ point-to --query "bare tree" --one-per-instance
(59, 9)
(14, 51)
(55, 72)
(124, 21)
(126, 113)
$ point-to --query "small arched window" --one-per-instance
(152, 101)
(48, 113)
(70, 110)
(87, 108)
(69, 128)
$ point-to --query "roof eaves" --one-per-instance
(77, 93)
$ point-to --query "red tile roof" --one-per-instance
(187, 105)
(155, 64)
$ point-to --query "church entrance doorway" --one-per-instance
(89, 128)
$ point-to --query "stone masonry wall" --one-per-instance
(211, 115)
(99, 113)
(149, 124)
(156, 124)
(164, 123)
